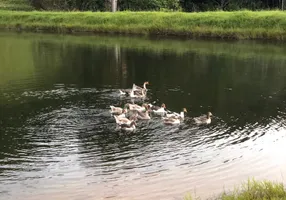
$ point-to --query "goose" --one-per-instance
(135, 87)
(171, 120)
(143, 115)
(131, 113)
(177, 115)
(137, 107)
(123, 115)
(117, 110)
(138, 94)
(128, 127)
(124, 120)
(157, 109)
(205, 119)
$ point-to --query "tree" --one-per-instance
(222, 4)
(113, 5)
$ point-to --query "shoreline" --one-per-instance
(238, 25)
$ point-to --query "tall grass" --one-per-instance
(253, 190)
(238, 25)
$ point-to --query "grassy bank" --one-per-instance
(253, 190)
(238, 25)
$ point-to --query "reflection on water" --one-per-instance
(58, 139)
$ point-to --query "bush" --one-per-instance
(104, 5)
(140, 5)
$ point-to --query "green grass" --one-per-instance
(238, 25)
(253, 190)
(15, 5)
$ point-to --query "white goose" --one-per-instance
(137, 107)
(205, 119)
(128, 127)
(124, 120)
(171, 120)
(117, 110)
(177, 115)
(138, 93)
(135, 87)
(157, 109)
(144, 115)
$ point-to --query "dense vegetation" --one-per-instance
(136, 5)
(142, 5)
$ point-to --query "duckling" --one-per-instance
(177, 115)
(128, 127)
(205, 119)
(157, 109)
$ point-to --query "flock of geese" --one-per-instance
(127, 116)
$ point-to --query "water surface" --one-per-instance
(59, 141)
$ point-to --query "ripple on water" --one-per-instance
(60, 141)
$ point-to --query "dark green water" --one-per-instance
(58, 140)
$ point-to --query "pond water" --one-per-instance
(58, 139)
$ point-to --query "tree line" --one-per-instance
(168, 5)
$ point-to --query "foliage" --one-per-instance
(206, 5)
(136, 5)
(142, 5)
(95, 5)
(103, 5)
